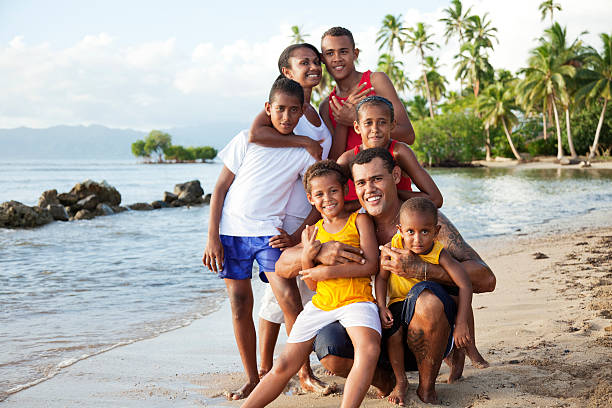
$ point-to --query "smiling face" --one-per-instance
(376, 186)
(418, 230)
(374, 124)
(284, 111)
(327, 195)
(304, 67)
(339, 56)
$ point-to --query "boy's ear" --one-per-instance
(356, 52)
(287, 72)
(309, 197)
(356, 126)
(397, 174)
(268, 109)
(437, 230)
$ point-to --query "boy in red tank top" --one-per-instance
(338, 110)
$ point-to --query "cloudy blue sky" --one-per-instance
(152, 64)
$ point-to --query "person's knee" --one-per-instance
(242, 304)
(428, 312)
(281, 365)
(369, 351)
(338, 365)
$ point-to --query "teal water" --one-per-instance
(69, 290)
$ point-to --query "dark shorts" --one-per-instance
(240, 252)
(334, 340)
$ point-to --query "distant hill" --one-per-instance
(100, 142)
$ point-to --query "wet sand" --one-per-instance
(546, 330)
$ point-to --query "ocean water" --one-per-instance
(76, 289)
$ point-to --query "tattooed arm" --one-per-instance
(403, 263)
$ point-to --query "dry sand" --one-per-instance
(546, 330)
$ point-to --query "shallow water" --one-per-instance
(69, 290)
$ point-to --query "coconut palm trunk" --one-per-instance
(431, 112)
(514, 151)
(488, 144)
(559, 142)
(598, 131)
(568, 127)
(544, 122)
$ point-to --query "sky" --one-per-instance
(157, 64)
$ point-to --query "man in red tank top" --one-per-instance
(338, 110)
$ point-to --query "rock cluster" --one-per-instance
(90, 199)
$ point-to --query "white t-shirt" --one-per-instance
(298, 205)
(264, 176)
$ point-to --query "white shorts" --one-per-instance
(269, 308)
(312, 319)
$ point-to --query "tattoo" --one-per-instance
(417, 343)
(413, 266)
(454, 242)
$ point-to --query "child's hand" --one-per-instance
(314, 148)
(386, 317)
(282, 240)
(213, 255)
(315, 274)
(462, 335)
(310, 243)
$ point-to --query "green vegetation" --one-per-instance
(160, 143)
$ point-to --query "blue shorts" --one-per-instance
(240, 252)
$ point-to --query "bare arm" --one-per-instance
(213, 253)
(408, 163)
(263, 134)
(460, 278)
(310, 249)
(380, 289)
(338, 140)
(383, 87)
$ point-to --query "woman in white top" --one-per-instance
(302, 63)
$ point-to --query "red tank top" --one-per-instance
(404, 184)
(352, 139)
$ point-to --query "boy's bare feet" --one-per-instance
(242, 392)
(262, 371)
(455, 361)
(477, 359)
(310, 383)
(398, 395)
(427, 396)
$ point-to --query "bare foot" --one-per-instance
(310, 383)
(262, 371)
(427, 396)
(329, 373)
(455, 361)
(241, 393)
(398, 395)
(477, 359)
(383, 381)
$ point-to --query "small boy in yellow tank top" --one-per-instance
(343, 292)
(417, 231)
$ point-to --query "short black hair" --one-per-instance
(323, 168)
(287, 86)
(367, 155)
(376, 100)
(421, 205)
(283, 60)
(339, 32)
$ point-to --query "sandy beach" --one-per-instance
(546, 330)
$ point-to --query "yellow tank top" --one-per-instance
(334, 293)
(397, 286)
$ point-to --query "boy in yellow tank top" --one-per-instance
(417, 231)
(343, 292)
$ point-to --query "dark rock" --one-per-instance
(47, 198)
(140, 207)
(58, 212)
(72, 210)
(567, 161)
(178, 203)
(169, 197)
(84, 215)
(104, 209)
(159, 204)
(14, 214)
(207, 198)
(103, 191)
(67, 199)
(88, 203)
(189, 192)
(118, 209)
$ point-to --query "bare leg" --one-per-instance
(366, 342)
(427, 336)
(273, 383)
(455, 361)
(268, 334)
(241, 301)
(396, 357)
(471, 350)
(288, 297)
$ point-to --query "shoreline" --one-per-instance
(542, 330)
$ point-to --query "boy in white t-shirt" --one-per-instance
(247, 208)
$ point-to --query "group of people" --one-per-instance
(324, 202)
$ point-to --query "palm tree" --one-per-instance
(419, 40)
(496, 104)
(479, 30)
(473, 65)
(456, 21)
(296, 36)
(597, 82)
(394, 70)
(437, 82)
(417, 107)
(548, 6)
(392, 32)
